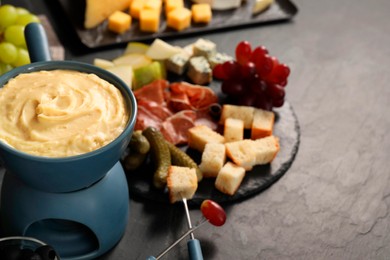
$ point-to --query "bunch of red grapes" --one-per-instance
(255, 78)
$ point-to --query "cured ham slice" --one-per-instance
(174, 108)
(153, 91)
(199, 96)
(157, 109)
(175, 128)
(145, 118)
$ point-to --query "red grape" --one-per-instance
(213, 212)
(219, 73)
(275, 91)
(279, 73)
(231, 69)
(247, 100)
(283, 83)
(243, 52)
(264, 102)
(264, 65)
(257, 85)
(248, 70)
(278, 102)
(232, 87)
(258, 53)
(255, 79)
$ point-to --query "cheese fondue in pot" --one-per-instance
(60, 113)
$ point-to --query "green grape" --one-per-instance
(22, 59)
(8, 52)
(15, 34)
(5, 68)
(21, 10)
(8, 16)
(25, 19)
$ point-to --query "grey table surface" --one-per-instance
(333, 203)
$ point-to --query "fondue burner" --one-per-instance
(82, 224)
(79, 204)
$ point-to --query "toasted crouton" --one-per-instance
(242, 153)
(266, 149)
(263, 123)
(199, 136)
(233, 130)
(245, 113)
(229, 178)
(213, 158)
(181, 182)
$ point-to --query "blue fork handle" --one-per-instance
(194, 249)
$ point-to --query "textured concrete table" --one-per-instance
(333, 203)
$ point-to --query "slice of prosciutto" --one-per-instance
(175, 127)
(174, 108)
(198, 97)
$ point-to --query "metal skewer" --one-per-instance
(188, 217)
(178, 240)
(194, 249)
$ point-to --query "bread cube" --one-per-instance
(229, 178)
(149, 20)
(242, 153)
(181, 182)
(233, 130)
(266, 149)
(179, 19)
(245, 113)
(200, 135)
(201, 13)
(213, 158)
(119, 22)
(263, 123)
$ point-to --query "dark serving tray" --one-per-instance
(261, 177)
(280, 10)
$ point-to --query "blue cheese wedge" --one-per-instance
(178, 63)
(203, 47)
(199, 70)
(219, 58)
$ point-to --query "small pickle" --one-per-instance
(139, 143)
(180, 158)
(134, 160)
(160, 155)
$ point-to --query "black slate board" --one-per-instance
(280, 10)
(258, 179)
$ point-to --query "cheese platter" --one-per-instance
(233, 18)
(255, 181)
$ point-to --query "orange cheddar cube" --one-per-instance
(119, 22)
(201, 13)
(135, 8)
(153, 4)
(179, 19)
(172, 5)
(149, 20)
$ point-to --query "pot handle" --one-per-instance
(37, 43)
